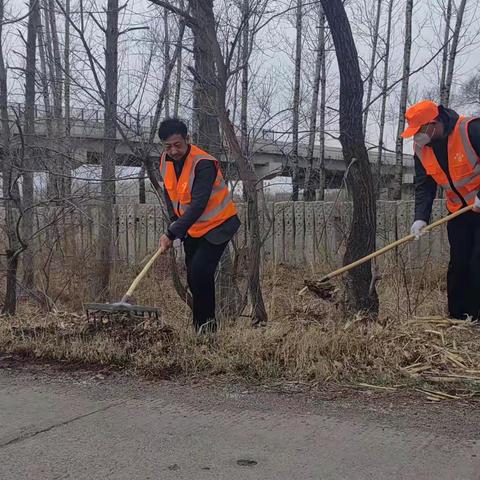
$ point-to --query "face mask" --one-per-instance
(422, 139)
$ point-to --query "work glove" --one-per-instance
(476, 204)
(417, 227)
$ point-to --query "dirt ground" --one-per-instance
(101, 424)
(398, 409)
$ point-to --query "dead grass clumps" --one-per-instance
(306, 339)
(418, 352)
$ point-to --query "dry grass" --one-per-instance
(307, 339)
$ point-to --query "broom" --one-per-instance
(324, 289)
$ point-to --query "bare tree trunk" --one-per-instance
(322, 175)
(309, 190)
(446, 36)
(453, 52)
(142, 194)
(44, 82)
(29, 130)
(178, 84)
(245, 66)
(52, 159)
(66, 62)
(53, 59)
(296, 101)
(11, 194)
(361, 241)
(66, 148)
(205, 90)
(235, 101)
(166, 57)
(247, 175)
(58, 86)
(109, 147)
(246, 171)
(383, 108)
(165, 84)
(373, 60)
(209, 131)
(61, 145)
(407, 49)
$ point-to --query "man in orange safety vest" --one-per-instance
(447, 154)
(202, 215)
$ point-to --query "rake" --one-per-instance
(324, 289)
(126, 306)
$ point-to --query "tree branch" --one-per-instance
(190, 21)
(19, 19)
(132, 29)
(91, 58)
(394, 84)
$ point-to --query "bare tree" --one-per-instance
(11, 194)
(178, 84)
(453, 53)
(446, 39)
(166, 55)
(66, 61)
(373, 61)
(57, 63)
(205, 90)
(202, 23)
(110, 96)
(470, 91)
(407, 48)
(45, 83)
(359, 292)
(58, 89)
(318, 85)
(296, 100)
(323, 106)
(163, 92)
(383, 108)
(29, 130)
(245, 48)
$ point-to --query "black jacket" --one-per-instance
(205, 174)
(425, 185)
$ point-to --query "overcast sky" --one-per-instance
(272, 65)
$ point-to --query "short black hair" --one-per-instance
(172, 126)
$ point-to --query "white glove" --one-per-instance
(476, 204)
(417, 227)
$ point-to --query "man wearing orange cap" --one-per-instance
(447, 153)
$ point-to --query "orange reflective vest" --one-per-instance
(220, 206)
(463, 166)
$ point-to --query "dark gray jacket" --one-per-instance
(425, 185)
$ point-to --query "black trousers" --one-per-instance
(202, 259)
(463, 278)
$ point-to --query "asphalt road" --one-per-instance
(84, 426)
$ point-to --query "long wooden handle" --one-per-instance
(140, 276)
(397, 243)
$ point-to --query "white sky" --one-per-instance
(272, 65)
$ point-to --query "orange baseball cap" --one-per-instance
(418, 115)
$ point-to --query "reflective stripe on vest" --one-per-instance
(463, 166)
(220, 206)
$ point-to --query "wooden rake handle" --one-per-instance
(397, 243)
(144, 271)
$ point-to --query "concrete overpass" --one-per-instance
(271, 155)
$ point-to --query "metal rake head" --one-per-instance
(106, 310)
